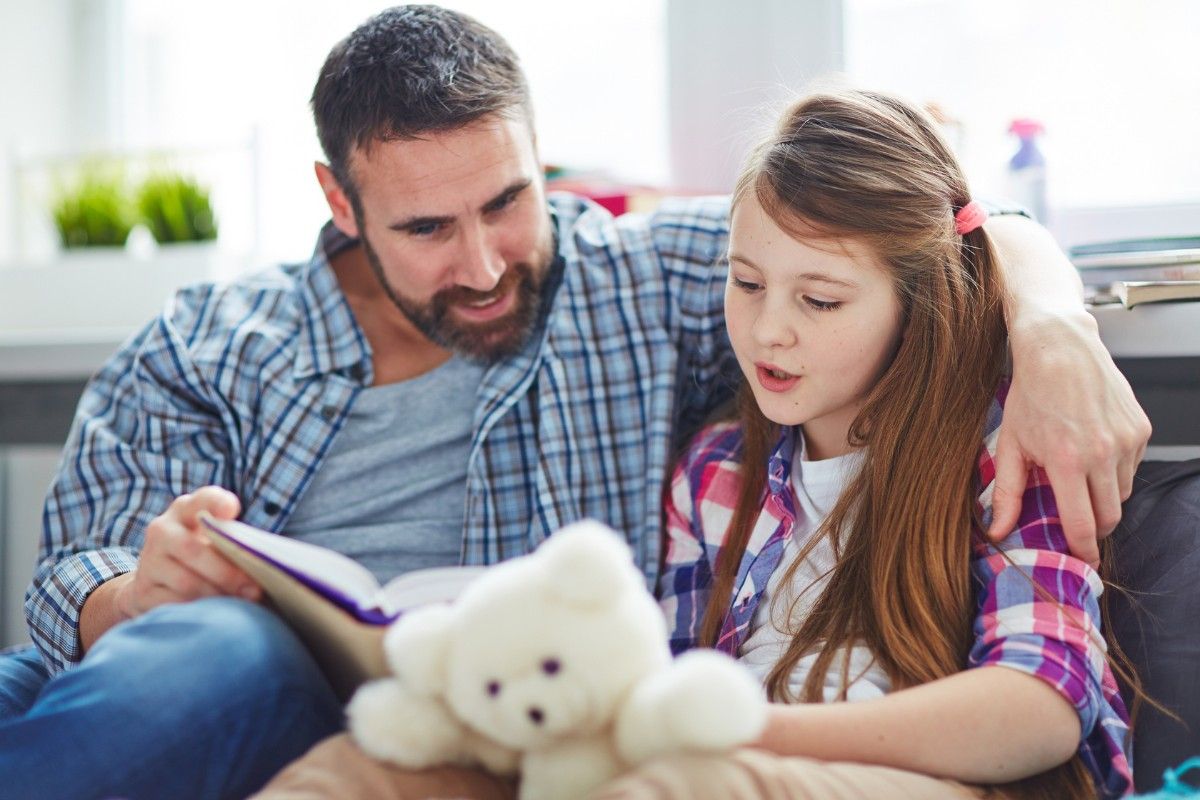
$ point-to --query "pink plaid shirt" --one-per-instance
(1054, 637)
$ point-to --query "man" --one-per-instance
(462, 368)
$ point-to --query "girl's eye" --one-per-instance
(745, 286)
(822, 305)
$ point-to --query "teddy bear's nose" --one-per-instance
(536, 715)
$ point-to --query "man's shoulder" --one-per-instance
(264, 305)
(671, 218)
(673, 253)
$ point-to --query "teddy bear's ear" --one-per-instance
(587, 564)
(417, 648)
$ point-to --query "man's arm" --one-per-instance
(144, 432)
(177, 564)
(1069, 409)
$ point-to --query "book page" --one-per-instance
(427, 586)
(327, 571)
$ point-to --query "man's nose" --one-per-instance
(480, 263)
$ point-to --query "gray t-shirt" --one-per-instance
(390, 493)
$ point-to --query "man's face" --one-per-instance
(456, 228)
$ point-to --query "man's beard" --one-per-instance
(485, 342)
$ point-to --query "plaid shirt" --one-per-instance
(246, 385)
(1053, 637)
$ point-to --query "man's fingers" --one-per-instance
(172, 544)
(194, 552)
(169, 582)
(1076, 514)
(1106, 501)
(219, 502)
(1126, 469)
(1011, 475)
(207, 562)
(185, 583)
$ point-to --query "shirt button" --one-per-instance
(329, 412)
(271, 508)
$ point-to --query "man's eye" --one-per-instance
(427, 229)
(745, 286)
(822, 305)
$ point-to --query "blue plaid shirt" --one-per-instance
(246, 385)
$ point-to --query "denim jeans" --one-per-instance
(205, 699)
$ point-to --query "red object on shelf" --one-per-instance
(613, 197)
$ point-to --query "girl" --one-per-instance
(831, 536)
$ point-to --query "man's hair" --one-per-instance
(411, 70)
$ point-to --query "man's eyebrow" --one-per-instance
(409, 223)
(514, 188)
(808, 276)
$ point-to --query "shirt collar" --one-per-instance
(779, 465)
(331, 339)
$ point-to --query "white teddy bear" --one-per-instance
(554, 665)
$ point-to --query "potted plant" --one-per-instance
(176, 208)
(95, 211)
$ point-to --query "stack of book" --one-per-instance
(1139, 270)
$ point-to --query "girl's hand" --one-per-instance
(1072, 412)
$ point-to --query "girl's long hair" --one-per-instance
(872, 168)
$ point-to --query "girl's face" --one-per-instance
(814, 326)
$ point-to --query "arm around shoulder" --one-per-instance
(1070, 410)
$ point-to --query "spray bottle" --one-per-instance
(1027, 168)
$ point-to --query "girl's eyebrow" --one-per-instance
(808, 276)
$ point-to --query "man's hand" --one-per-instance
(177, 564)
(1070, 411)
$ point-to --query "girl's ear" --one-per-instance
(417, 648)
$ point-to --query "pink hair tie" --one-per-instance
(969, 218)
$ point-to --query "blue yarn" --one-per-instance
(1173, 785)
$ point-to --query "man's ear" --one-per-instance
(339, 204)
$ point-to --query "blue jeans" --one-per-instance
(206, 699)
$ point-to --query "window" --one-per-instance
(211, 74)
(1114, 82)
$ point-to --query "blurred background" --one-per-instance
(656, 93)
(147, 143)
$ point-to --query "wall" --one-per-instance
(729, 67)
(24, 474)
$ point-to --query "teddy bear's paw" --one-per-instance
(719, 705)
(390, 722)
(704, 701)
(495, 758)
(568, 770)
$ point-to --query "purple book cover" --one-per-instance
(370, 616)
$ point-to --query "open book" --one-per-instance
(332, 602)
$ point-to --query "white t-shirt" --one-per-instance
(818, 484)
